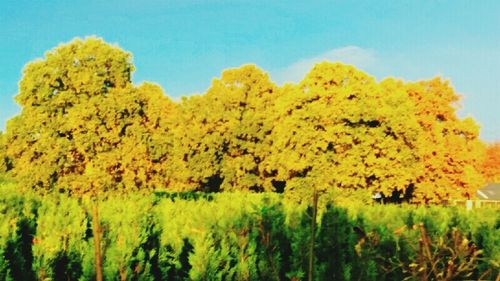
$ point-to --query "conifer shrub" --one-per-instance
(130, 238)
(233, 237)
(62, 246)
(240, 236)
(335, 247)
(17, 226)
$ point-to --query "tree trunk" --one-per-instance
(313, 234)
(96, 230)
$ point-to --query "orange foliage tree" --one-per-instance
(451, 151)
(491, 164)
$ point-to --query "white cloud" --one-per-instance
(359, 57)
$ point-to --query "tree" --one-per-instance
(4, 161)
(41, 141)
(223, 133)
(80, 115)
(339, 128)
(451, 151)
(84, 128)
(491, 165)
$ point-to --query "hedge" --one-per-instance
(241, 236)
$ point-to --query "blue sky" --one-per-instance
(183, 45)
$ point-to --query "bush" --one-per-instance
(130, 239)
(239, 236)
(18, 221)
(62, 246)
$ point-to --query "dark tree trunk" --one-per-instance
(313, 234)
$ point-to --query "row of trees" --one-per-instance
(84, 124)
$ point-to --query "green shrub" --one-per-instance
(18, 216)
(335, 252)
(130, 238)
(239, 236)
(232, 237)
(62, 242)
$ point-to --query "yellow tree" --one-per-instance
(41, 141)
(339, 128)
(451, 151)
(84, 128)
(4, 161)
(124, 136)
(80, 112)
(491, 165)
(222, 134)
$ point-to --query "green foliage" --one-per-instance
(299, 223)
(487, 238)
(61, 243)
(18, 216)
(335, 246)
(131, 238)
(234, 236)
(393, 231)
(240, 236)
(451, 257)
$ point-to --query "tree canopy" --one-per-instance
(451, 150)
(491, 165)
(84, 124)
(340, 128)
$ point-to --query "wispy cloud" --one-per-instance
(359, 57)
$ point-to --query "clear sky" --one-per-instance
(183, 45)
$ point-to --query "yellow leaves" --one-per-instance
(86, 67)
(223, 133)
(83, 121)
(91, 125)
(4, 161)
(338, 128)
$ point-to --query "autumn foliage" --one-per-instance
(491, 165)
(85, 124)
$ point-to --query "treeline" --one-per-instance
(241, 237)
(84, 125)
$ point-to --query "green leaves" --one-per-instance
(60, 244)
(236, 236)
